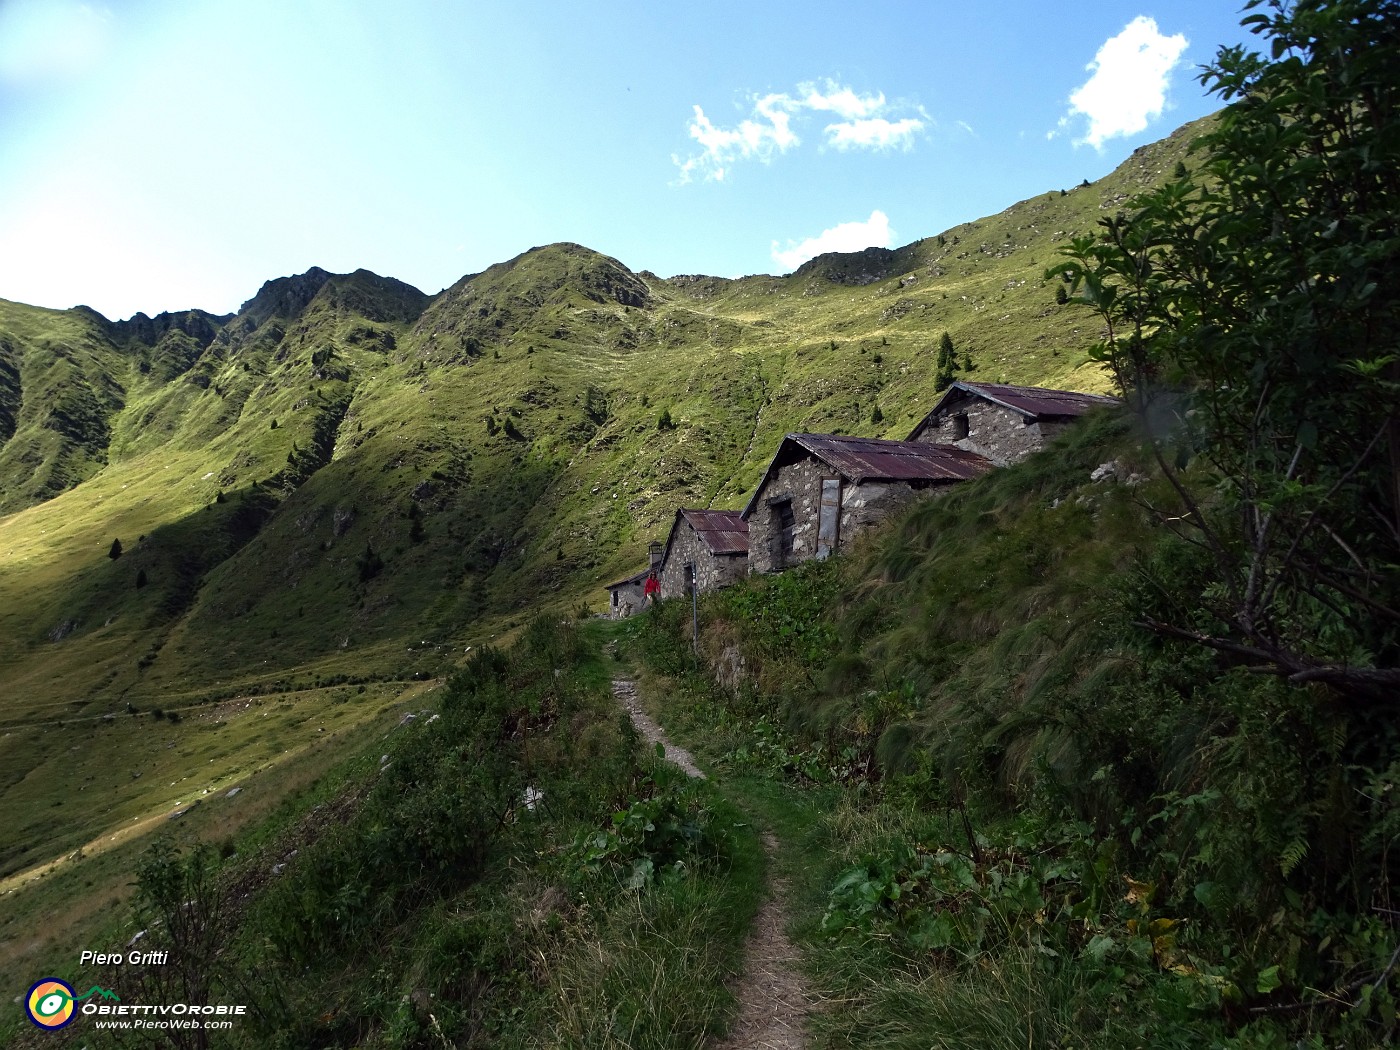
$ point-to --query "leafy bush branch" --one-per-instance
(1253, 318)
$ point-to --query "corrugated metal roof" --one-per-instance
(1033, 401)
(722, 531)
(1038, 401)
(876, 459)
(633, 579)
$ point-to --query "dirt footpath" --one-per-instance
(773, 1001)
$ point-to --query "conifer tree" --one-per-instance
(947, 363)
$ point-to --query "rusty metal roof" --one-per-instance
(1031, 401)
(633, 579)
(722, 531)
(876, 459)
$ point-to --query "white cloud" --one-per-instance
(844, 237)
(842, 101)
(770, 132)
(1129, 83)
(873, 133)
(769, 129)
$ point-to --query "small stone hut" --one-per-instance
(625, 596)
(820, 490)
(1004, 423)
(716, 542)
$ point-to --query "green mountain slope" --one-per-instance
(350, 478)
(61, 382)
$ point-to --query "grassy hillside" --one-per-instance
(349, 482)
(61, 383)
(1051, 826)
(472, 855)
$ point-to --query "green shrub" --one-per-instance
(655, 839)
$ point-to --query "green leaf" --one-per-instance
(933, 932)
(1268, 981)
(1206, 893)
(1099, 946)
(642, 871)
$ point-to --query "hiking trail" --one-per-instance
(773, 1001)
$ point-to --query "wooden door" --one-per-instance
(829, 517)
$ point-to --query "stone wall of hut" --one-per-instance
(626, 600)
(712, 571)
(998, 433)
(801, 483)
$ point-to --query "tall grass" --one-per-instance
(513, 871)
(651, 973)
(979, 658)
(1015, 1000)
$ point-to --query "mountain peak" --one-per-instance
(376, 298)
(284, 296)
(543, 289)
(197, 324)
(860, 267)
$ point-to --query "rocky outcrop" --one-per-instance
(285, 297)
(859, 268)
(375, 298)
(199, 326)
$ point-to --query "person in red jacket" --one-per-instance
(651, 590)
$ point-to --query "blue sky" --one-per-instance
(163, 154)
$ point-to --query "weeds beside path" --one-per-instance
(772, 995)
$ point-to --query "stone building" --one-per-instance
(1004, 423)
(820, 490)
(625, 596)
(716, 542)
